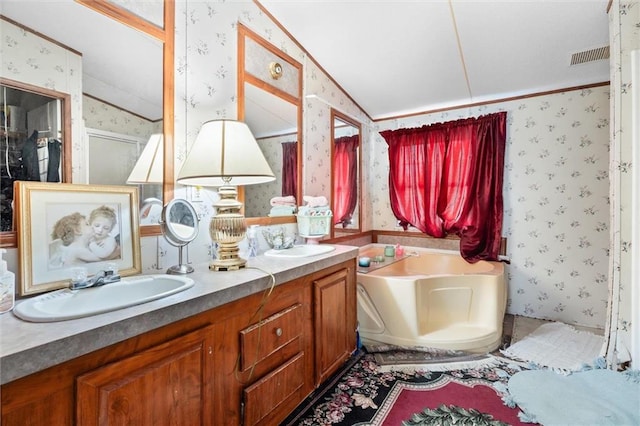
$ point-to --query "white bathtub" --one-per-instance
(433, 299)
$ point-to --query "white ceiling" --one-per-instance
(399, 57)
(391, 57)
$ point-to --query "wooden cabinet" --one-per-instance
(164, 385)
(335, 321)
(247, 362)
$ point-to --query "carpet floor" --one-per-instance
(365, 394)
(395, 386)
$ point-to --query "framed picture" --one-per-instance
(64, 226)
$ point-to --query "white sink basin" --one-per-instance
(68, 304)
(301, 251)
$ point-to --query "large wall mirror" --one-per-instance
(270, 102)
(115, 45)
(346, 174)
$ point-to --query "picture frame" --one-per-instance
(65, 226)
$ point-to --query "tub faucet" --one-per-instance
(101, 278)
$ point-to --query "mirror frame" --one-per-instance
(169, 232)
(245, 77)
(167, 37)
(337, 115)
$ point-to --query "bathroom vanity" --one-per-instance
(233, 349)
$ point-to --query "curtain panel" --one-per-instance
(289, 169)
(345, 184)
(446, 178)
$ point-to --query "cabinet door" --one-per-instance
(334, 313)
(164, 385)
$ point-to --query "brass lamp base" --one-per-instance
(227, 228)
(228, 259)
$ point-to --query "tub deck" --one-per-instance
(426, 263)
(372, 253)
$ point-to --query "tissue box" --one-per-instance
(314, 225)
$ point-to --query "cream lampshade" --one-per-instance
(150, 164)
(225, 154)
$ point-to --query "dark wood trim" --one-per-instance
(275, 220)
(495, 101)
(8, 239)
(261, 84)
(346, 238)
(168, 102)
(150, 230)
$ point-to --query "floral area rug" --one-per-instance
(364, 395)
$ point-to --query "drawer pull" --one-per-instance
(278, 332)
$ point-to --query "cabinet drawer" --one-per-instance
(266, 395)
(260, 340)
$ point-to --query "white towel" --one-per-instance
(289, 200)
(319, 201)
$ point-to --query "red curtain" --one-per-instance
(345, 184)
(446, 178)
(289, 169)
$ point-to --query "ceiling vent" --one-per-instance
(590, 55)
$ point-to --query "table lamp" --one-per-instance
(225, 154)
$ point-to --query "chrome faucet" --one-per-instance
(101, 278)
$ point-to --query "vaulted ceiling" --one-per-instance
(404, 56)
(392, 57)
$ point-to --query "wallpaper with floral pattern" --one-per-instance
(102, 116)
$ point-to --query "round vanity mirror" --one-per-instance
(179, 223)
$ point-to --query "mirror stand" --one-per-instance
(179, 224)
(180, 268)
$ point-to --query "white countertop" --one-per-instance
(26, 347)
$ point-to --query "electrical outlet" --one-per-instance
(196, 194)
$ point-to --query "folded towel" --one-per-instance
(289, 200)
(319, 201)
